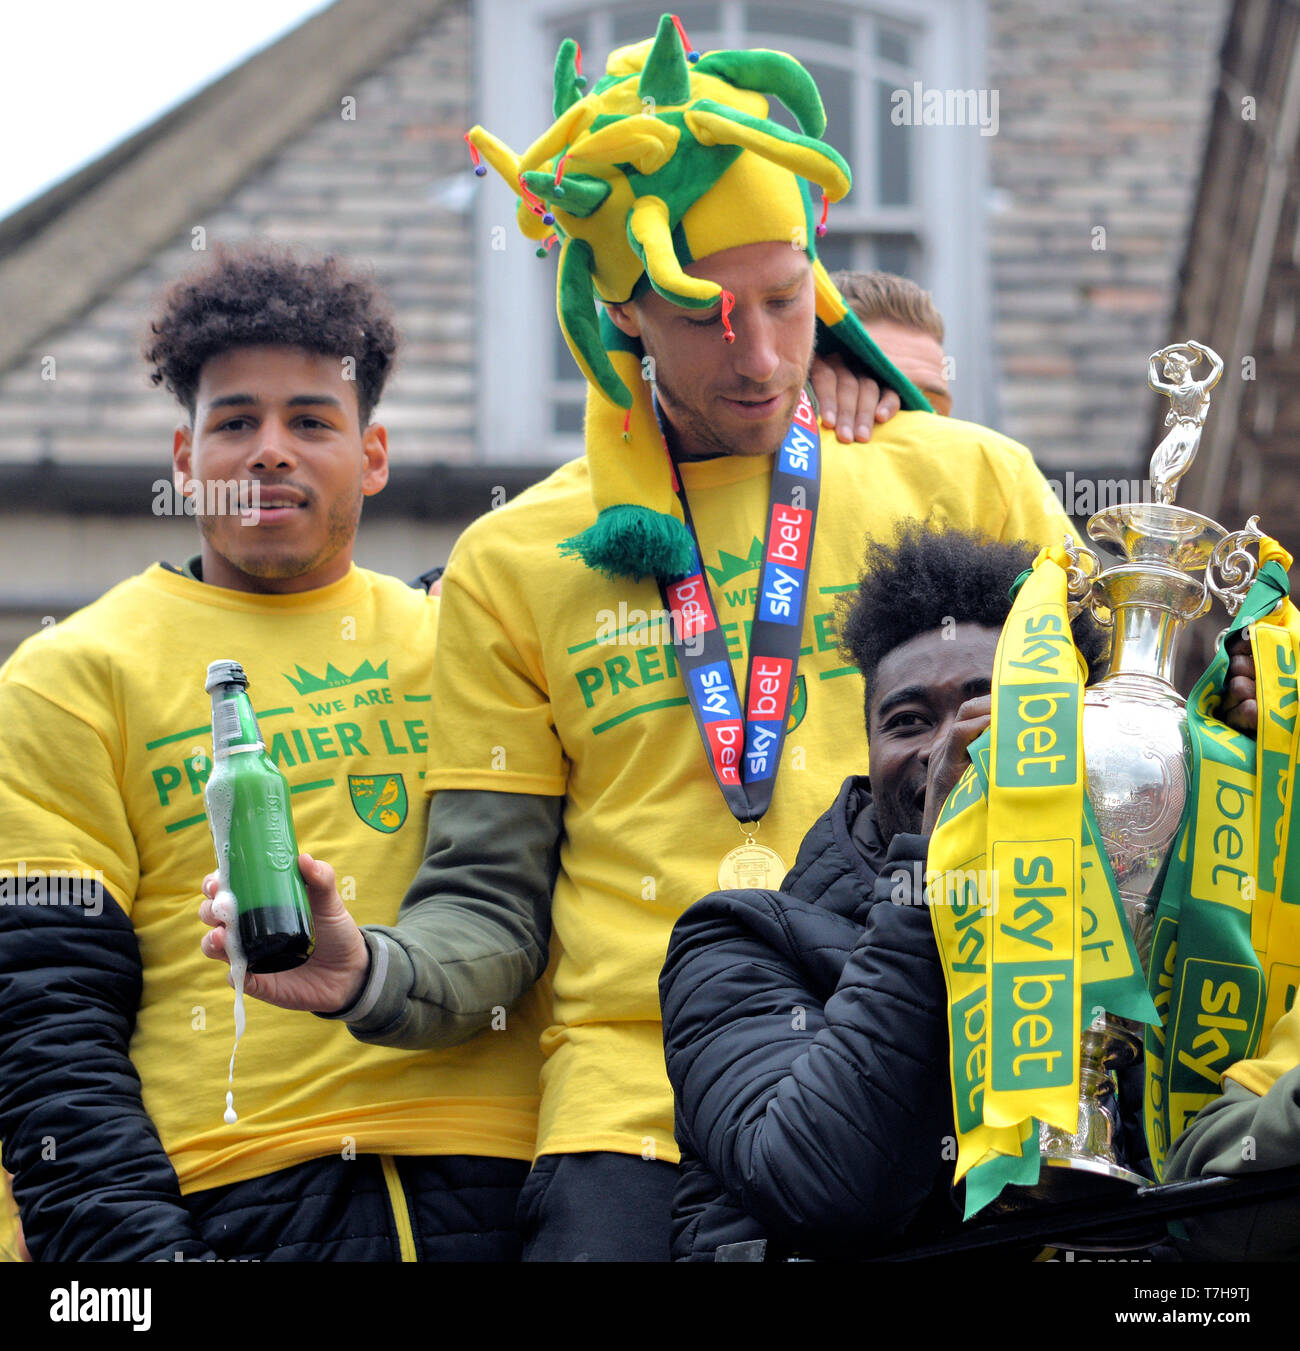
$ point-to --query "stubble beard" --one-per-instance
(896, 817)
(273, 563)
(706, 441)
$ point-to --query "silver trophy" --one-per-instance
(1136, 744)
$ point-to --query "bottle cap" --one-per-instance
(225, 673)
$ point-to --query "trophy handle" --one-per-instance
(1080, 577)
(1234, 565)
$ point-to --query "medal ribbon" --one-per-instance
(744, 743)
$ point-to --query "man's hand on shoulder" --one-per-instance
(334, 975)
(850, 403)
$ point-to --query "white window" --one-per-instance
(916, 207)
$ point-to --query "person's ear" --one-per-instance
(374, 446)
(624, 318)
(182, 457)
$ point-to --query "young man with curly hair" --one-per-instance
(115, 1033)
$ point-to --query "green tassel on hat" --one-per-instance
(632, 541)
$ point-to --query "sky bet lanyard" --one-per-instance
(744, 747)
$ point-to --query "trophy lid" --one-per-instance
(1157, 533)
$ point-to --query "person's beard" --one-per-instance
(896, 817)
(288, 560)
(704, 437)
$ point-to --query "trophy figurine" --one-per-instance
(1136, 744)
(1189, 401)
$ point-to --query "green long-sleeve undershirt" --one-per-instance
(473, 930)
(1241, 1133)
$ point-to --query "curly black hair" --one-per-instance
(933, 573)
(270, 297)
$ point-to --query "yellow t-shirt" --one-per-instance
(1279, 1056)
(9, 1227)
(107, 719)
(552, 679)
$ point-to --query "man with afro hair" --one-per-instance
(805, 1029)
(115, 1032)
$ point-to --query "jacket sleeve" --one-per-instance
(473, 930)
(825, 1121)
(91, 1178)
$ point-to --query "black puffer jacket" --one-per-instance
(92, 1179)
(94, 1183)
(806, 1044)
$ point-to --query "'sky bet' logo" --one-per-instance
(721, 715)
(784, 569)
(769, 693)
(687, 599)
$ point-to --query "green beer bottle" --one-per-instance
(252, 830)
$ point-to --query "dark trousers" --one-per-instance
(461, 1209)
(597, 1207)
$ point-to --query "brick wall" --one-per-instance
(1104, 110)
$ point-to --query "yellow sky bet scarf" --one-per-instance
(1015, 930)
(1025, 911)
(961, 902)
(1275, 916)
(1226, 952)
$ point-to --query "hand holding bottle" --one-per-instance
(332, 977)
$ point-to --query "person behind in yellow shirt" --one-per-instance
(115, 1033)
(594, 631)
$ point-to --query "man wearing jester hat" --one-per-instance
(638, 694)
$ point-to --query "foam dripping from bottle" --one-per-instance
(220, 804)
(225, 910)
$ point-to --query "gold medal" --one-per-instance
(751, 865)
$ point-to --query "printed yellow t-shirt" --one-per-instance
(552, 679)
(106, 718)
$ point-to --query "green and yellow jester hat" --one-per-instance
(671, 157)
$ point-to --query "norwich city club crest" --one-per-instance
(798, 705)
(379, 800)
